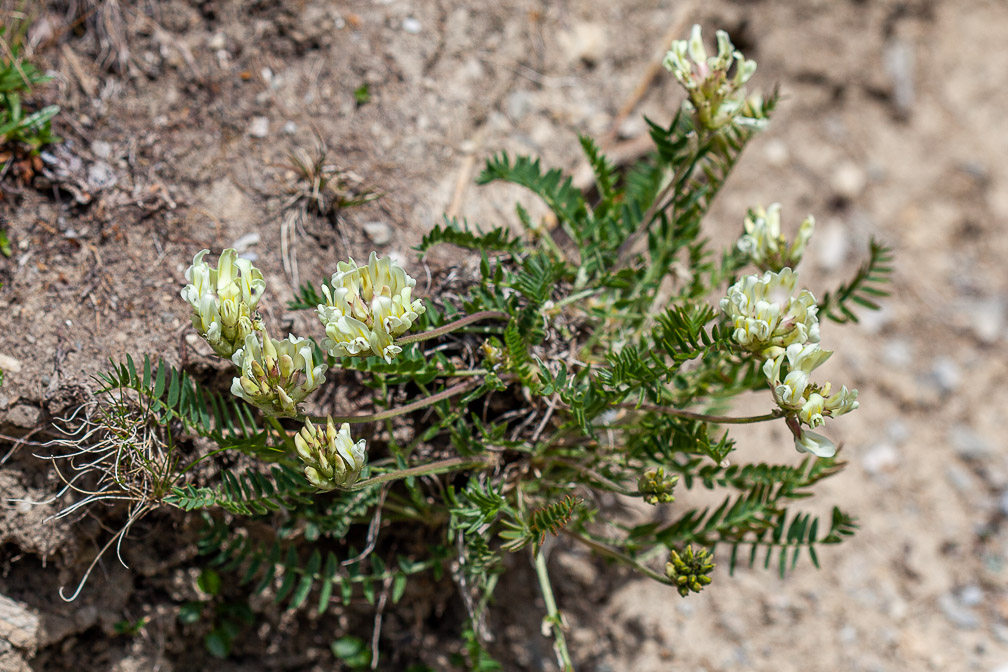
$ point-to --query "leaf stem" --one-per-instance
(452, 391)
(692, 415)
(552, 613)
(439, 467)
(609, 551)
(452, 326)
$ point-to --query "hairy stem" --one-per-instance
(615, 554)
(439, 467)
(452, 326)
(716, 419)
(452, 391)
(552, 613)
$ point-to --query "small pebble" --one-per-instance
(259, 127)
(946, 374)
(776, 153)
(10, 364)
(1003, 503)
(586, 42)
(379, 232)
(217, 41)
(246, 241)
(897, 353)
(289, 128)
(101, 149)
(848, 180)
(960, 616)
(971, 595)
(883, 457)
(411, 25)
(968, 444)
(832, 246)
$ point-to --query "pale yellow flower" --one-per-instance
(276, 375)
(367, 308)
(716, 98)
(763, 243)
(224, 300)
(765, 316)
(332, 459)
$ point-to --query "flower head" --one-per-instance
(367, 308)
(763, 243)
(276, 375)
(795, 392)
(224, 300)
(332, 460)
(766, 318)
(717, 99)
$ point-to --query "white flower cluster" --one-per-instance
(367, 308)
(717, 99)
(770, 322)
(766, 317)
(332, 459)
(763, 243)
(800, 398)
(224, 300)
(276, 375)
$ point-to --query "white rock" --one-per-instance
(259, 127)
(101, 149)
(290, 128)
(217, 41)
(832, 245)
(9, 364)
(584, 42)
(848, 180)
(246, 241)
(776, 153)
(945, 372)
(411, 25)
(379, 232)
(881, 458)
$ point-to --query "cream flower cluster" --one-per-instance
(717, 99)
(332, 459)
(763, 243)
(765, 315)
(367, 308)
(224, 300)
(276, 375)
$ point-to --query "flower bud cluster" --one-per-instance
(765, 316)
(763, 243)
(224, 300)
(332, 459)
(367, 308)
(716, 98)
(656, 487)
(689, 571)
(276, 375)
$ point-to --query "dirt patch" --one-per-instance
(888, 127)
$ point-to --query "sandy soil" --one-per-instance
(890, 126)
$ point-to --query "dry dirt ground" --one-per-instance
(177, 131)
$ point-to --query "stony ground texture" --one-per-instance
(178, 128)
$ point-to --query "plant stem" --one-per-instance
(288, 441)
(552, 613)
(439, 467)
(452, 326)
(609, 551)
(459, 388)
(716, 419)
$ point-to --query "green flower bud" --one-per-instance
(655, 487)
(690, 570)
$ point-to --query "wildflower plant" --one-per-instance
(575, 363)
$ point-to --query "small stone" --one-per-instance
(959, 478)
(379, 232)
(897, 431)
(517, 104)
(1003, 503)
(883, 457)
(101, 149)
(100, 176)
(848, 180)
(586, 42)
(259, 127)
(946, 374)
(968, 444)
(898, 60)
(217, 42)
(289, 128)
(24, 415)
(897, 353)
(971, 595)
(411, 25)
(246, 241)
(986, 319)
(960, 616)
(9, 364)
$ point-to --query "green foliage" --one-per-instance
(863, 289)
(32, 129)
